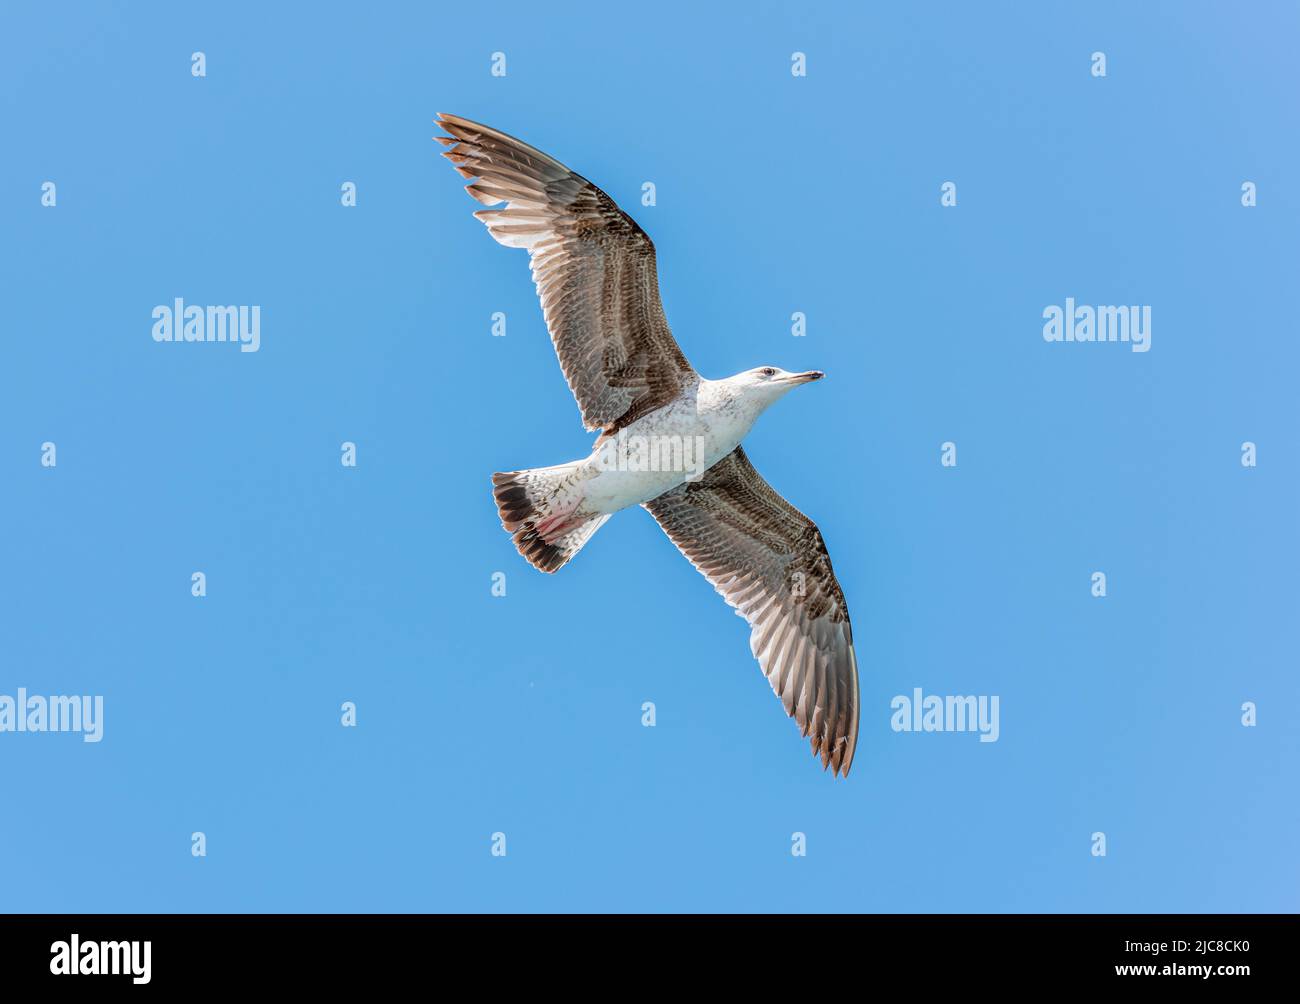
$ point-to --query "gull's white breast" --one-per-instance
(708, 421)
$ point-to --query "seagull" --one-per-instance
(670, 439)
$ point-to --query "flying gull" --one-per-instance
(596, 278)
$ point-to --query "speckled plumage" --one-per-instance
(670, 439)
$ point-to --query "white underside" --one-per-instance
(681, 440)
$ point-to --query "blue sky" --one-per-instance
(522, 714)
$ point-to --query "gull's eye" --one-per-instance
(768, 371)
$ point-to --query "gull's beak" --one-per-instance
(808, 377)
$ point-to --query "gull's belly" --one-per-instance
(657, 453)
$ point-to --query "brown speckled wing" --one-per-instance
(594, 269)
(767, 560)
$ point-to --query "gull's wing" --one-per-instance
(594, 269)
(767, 560)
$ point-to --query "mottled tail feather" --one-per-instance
(522, 505)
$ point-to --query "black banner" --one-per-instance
(337, 952)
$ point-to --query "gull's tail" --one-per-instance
(542, 510)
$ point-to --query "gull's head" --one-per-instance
(765, 384)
